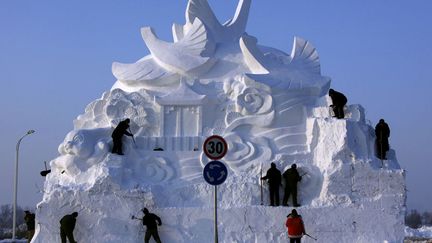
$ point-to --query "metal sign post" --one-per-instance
(215, 173)
(261, 184)
(216, 236)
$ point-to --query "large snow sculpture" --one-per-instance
(270, 107)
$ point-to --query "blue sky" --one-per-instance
(55, 58)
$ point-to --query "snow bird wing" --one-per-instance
(252, 56)
(143, 70)
(299, 70)
(184, 56)
(202, 10)
(305, 56)
(230, 31)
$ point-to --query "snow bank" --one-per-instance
(344, 197)
(424, 232)
(12, 241)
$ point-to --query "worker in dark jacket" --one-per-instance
(291, 177)
(382, 133)
(295, 226)
(117, 135)
(151, 221)
(273, 176)
(29, 219)
(67, 226)
(339, 101)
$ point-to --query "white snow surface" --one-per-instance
(423, 232)
(268, 105)
(12, 241)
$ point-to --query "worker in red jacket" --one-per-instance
(295, 227)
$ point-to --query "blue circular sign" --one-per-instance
(215, 173)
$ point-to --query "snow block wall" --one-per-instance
(269, 106)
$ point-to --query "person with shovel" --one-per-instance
(273, 176)
(291, 177)
(117, 135)
(295, 226)
(382, 133)
(67, 226)
(151, 221)
(29, 219)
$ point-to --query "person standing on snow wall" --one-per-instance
(382, 133)
(339, 101)
(29, 219)
(295, 226)
(117, 135)
(151, 221)
(67, 226)
(291, 177)
(273, 176)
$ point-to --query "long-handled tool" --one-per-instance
(261, 183)
(46, 171)
(133, 217)
(382, 153)
(133, 139)
(311, 237)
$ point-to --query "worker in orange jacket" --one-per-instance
(295, 226)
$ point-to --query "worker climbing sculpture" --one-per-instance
(117, 135)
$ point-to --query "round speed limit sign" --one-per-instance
(215, 147)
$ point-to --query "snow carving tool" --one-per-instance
(311, 237)
(46, 171)
(133, 217)
(382, 153)
(261, 184)
(133, 138)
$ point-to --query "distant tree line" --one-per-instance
(6, 214)
(415, 219)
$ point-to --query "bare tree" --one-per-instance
(427, 218)
(6, 213)
(413, 219)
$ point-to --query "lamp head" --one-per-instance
(30, 132)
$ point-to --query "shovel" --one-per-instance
(133, 139)
(46, 171)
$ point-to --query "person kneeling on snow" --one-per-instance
(295, 226)
(339, 101)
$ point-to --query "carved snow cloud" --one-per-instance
(117, 105)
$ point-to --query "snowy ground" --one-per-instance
(424, 232)
(15, 241)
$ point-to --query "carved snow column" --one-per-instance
(181, 119)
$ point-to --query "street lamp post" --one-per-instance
(16, 182)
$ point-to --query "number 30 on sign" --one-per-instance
(215, 147)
